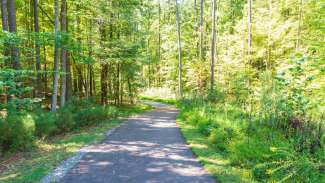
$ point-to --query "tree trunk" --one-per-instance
(104, 66)
(13, 29)
(269, 37)
(69, 78)
(56, 57)
(63, 53)
(201, 30)
(301, 4)
(159, 45)
(4, 15)
(180, 85)
(5, 27)
(249, 30)
(45, 73)
(103, 78)
(213, 44)
(37, 48)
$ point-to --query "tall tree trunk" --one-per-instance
(63, 54)
(56, 57)
(13, 29)
(249, 30)
(45, 73)
(104, 66)
(37, 48)
(201, 30)
(213, 44)
(5, 27)
(269, 37)
(90, 54)
(4, 15)
(69, 78)
(180, 84)
(159, 44)
(301, 4)
(103, 79)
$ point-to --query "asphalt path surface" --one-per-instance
(146, 149)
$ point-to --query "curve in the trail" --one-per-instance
(146, 149)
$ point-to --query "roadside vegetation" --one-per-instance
(248, 76)
(49, 144)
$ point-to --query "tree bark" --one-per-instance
(201, 30)
(301, 4)
(249, 30)
(5, 27)
(269, 37)
(213, 44)
(4, 15)
(56, 57)
(63, 53)
(180, 84)
(13, 29)
(104, 66)
(37, 48)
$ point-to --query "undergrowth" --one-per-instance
(260, 152)
(51, 145)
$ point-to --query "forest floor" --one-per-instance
(147, 148)
(32, 166)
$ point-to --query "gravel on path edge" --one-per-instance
(58, 173)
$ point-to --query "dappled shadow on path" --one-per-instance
(148, 148)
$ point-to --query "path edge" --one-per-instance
(63, 168)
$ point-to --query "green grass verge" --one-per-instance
(213, 160)
(155, 99)
(30, 167)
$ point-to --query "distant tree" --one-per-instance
(13, 29)
(56, 57)
(180, 82)
(213, 44)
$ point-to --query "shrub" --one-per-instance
(65, 120)
(17, 132)
(91, 116)
(45, 124)
(287, 165)
(249, 151)
(195, 118)
(221, 137)
(205, 126)
(112, 112)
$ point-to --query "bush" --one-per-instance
(288, 165)
(45, 124)
(221, 137)
(91, 116)
(205, 126)
(112, 112)
(195, 118)
(17, 132)
(65, 120)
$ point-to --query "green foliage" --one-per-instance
(269, 151)
(45, 124)
(91, 116)
(221, 137)
(65, 120)
(17, 132)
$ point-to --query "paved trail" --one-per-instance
(146, 149)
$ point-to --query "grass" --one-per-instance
(30, 167)
(234, 148)
(213, 160)
(157, 99)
